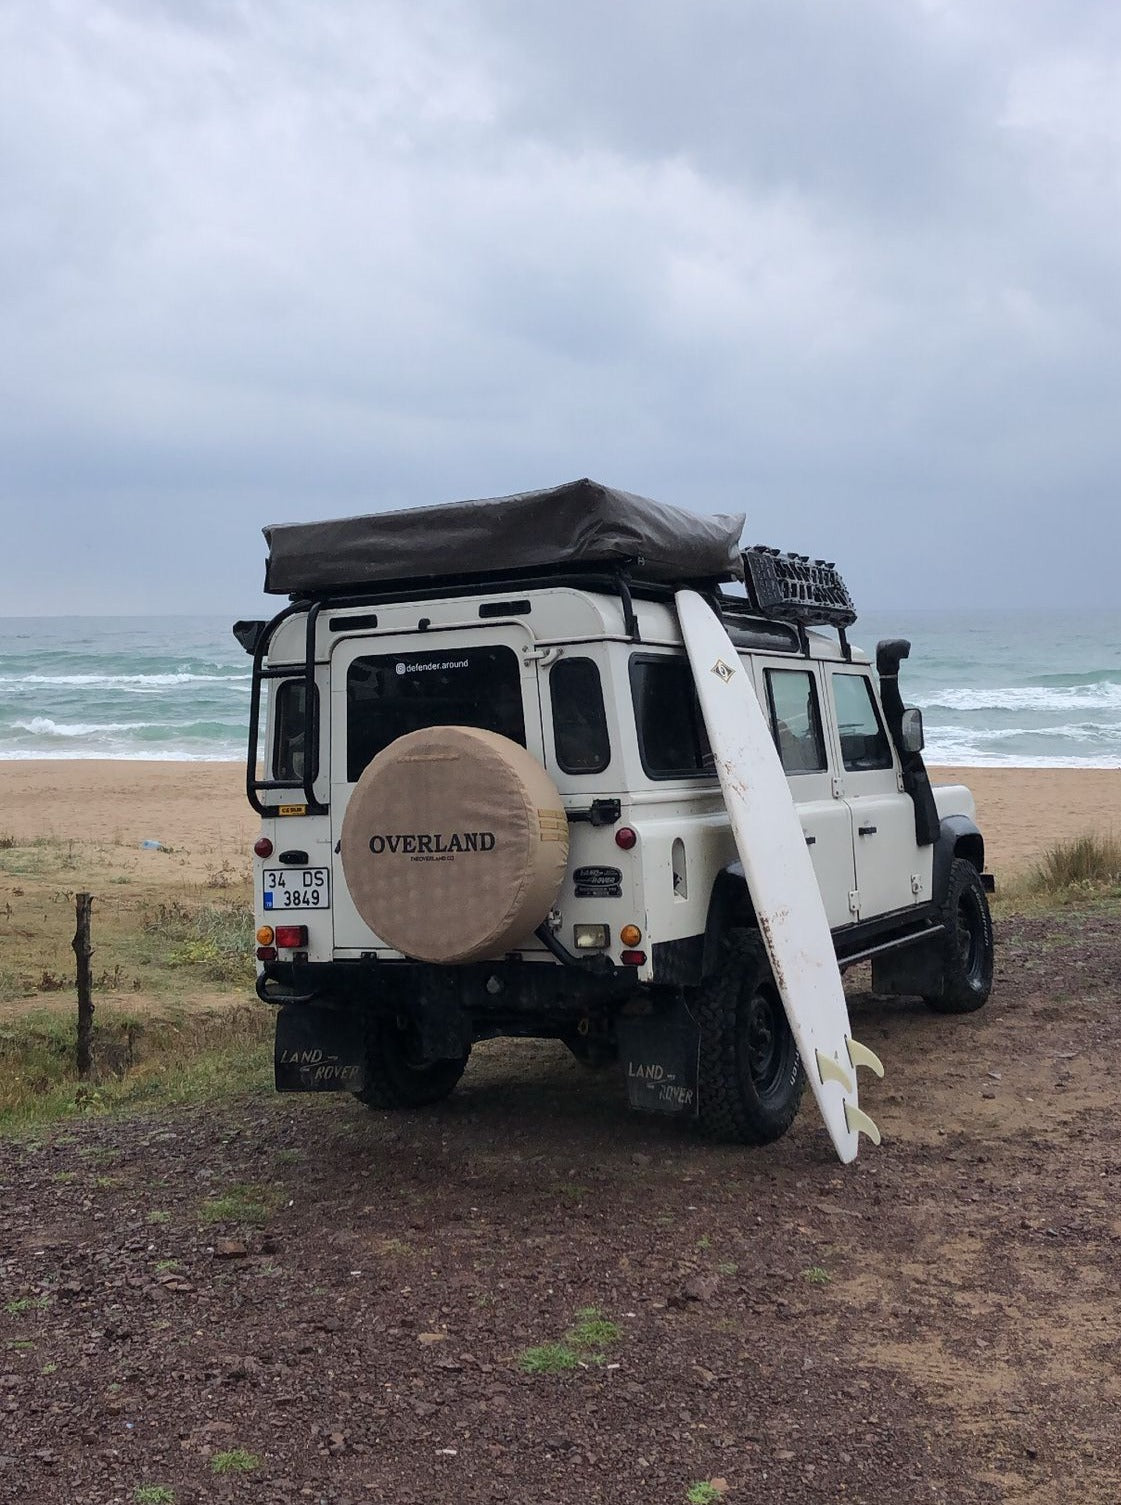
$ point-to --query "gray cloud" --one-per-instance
(855, 269)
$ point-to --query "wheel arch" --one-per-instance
(729, 906)
(958, 836)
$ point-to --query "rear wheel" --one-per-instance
(750, 1080)
(397, 1076)
(967, 954)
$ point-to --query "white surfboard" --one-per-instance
(780, 875)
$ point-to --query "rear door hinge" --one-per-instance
(838, 789)
(854, 901)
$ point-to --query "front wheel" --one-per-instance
(397, 1076)
(967, 949)
(750, 1078)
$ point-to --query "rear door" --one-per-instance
(791, 698)
(383, 686)
(892, 872)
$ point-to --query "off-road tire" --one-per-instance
(750, 1077)
(967, 952)
(395, 1080)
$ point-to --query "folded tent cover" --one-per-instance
(580, 523)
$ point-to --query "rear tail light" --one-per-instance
(633, 958)
(289, 937)
(266, 953)
(263, 847)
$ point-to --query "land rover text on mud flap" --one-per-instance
(489, 806)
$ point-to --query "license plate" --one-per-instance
(297, 887)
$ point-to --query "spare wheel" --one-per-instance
(454, 844)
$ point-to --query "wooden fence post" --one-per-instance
(83, 950)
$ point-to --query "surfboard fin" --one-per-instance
(859, 1123)
(829, 1071)
(860, 1055)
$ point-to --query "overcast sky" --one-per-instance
(854, 268)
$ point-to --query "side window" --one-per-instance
(290, 731)
(579, 718)
(796, 720)
(864, 743)
(671, 736)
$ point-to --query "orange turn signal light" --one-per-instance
(630, 935)
(264, 935)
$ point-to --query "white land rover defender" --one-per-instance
(489, 807)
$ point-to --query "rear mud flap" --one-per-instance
(319, 1050)
(660, 1054)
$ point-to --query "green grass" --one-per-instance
(244, 1203)
(549, 1358)
(586, 1341)
(235, 1461)
(817, 1276)
(569, 1191)
(153, 1494)
(1085, 862)
(23, 1304)
(214, 940)
(592, 1332)
(183, 1058)
(1078, 873)
(702, 1493)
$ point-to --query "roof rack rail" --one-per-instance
(795, 588)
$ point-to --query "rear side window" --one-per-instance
(796, 720)
(864, 743)
(290, 733)
(579, 718)
(672, 741)
(389, 694)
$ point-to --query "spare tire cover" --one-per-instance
(454, 844)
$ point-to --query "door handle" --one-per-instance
(867, 830)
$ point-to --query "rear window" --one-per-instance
(579, 718)
(795, 721)
(672, 741)
(290, 731)
(390, 694)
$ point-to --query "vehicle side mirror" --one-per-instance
(911, 731)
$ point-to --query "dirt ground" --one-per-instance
(346, 1298)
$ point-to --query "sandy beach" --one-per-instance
(200, 809)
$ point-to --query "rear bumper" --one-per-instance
(513, 989)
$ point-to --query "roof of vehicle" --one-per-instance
(580, 524)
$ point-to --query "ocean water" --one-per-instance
(1000, 688)
(122, 687)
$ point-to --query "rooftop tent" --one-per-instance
(578, 524)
